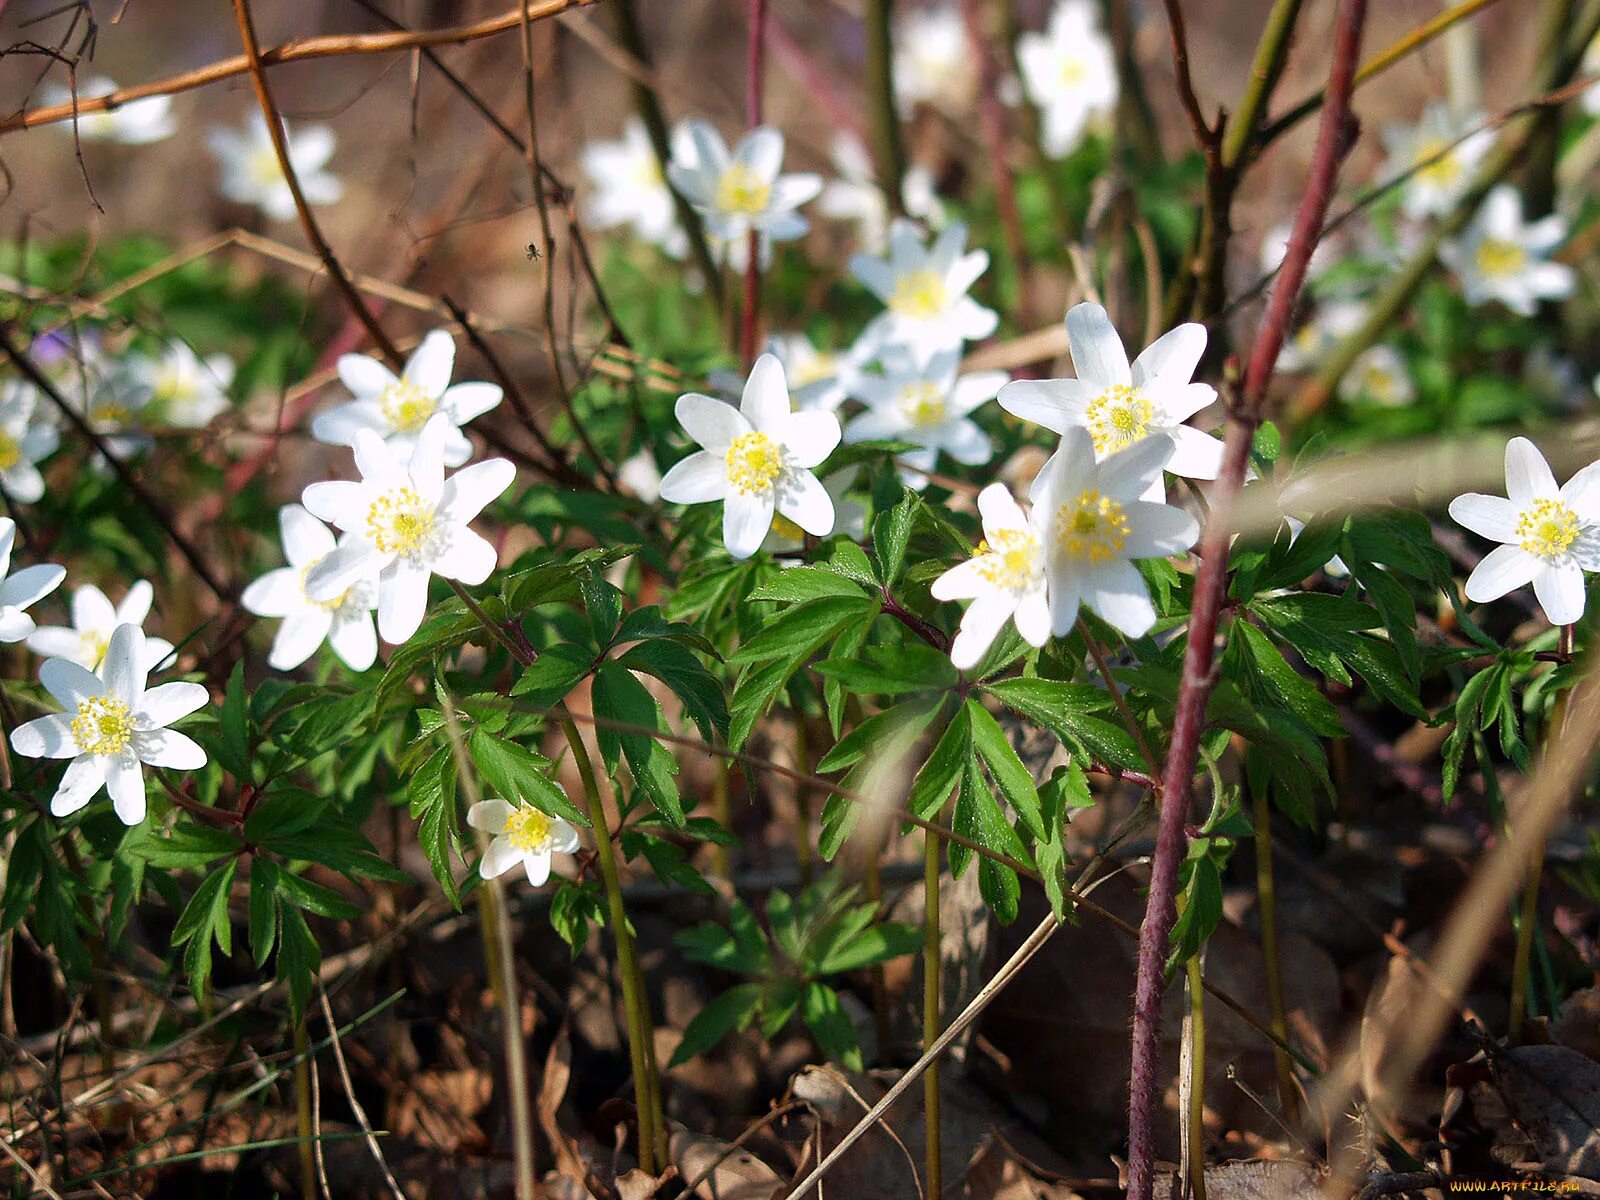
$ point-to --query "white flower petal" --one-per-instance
(1528, 476)
(1561, 593)
(365, 376)
(1581, 493)
(46, 737)
(765, 403)
(1195, 455)
(468, 559)
(1116, 592)
(84, 776)
(169, 748)
(15, 625)
(489, 815)
(1504, 569)
(126, 665)
(1492, 517)
(355, 641)
(1033, 617)
(1097, 353)
(537, 865)
(807, 503)
(472, 489)
(275, 594)
(402, 601)
(31, 584)
(746, 517)
(499, 858)
(339, 426)
(299, 636)
(1158, 530)
(431, 363)
(1170, 360)
(810, 437)
(711, 422)
(1052, 403)
(980, 624)
(91, 609)
(70, 683)
(125, 785)
(465, 401)
(701, 477)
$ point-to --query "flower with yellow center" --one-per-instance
(741, 192)
(924, 290)
(919, 295)
(21, 589)
(10, 451)
(1497, 258)
(1503, 258)
(405, 521)
(1097, 525)
(94, 620)
(24, 441)
(1380, 375)
(928, 403)
(396, 407)
(1436, 162)
(342, 618)
(757, 459)
(1549, 536)
(1119, 404)
(520, 836)
(629, 189)
(185, 389)
(1435, 159)
(1069, 73)
(1004, 579)
(923, 403)
(252, 173)
(112, 727)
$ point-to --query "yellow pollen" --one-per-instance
(333, 605)
(406, 406)
(1073, 71)
(10, 451)
(754, 463)
(1497, 258)
(1445, 171)
(1117, 418)
(813, 370)
(785, 528)
(922, 403)
(1378, 383)
(263, 168)
(527, 829)
(647, 173)
(741, 190)
(1011, 561)
(1092, 527)
(920, 295)
(1547, 529)
(103, 725)
(94, 643)
(401, 522)
(109, 412)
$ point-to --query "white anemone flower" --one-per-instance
(24, 588)
(925, 401)
(1590, 100)
(186, 390)
(112, 727)
(252, 175)
(1333, 321)
(629, 189)
(409, 522)
(757, 459)
(520, 836)
(1096, 524)
(743, 191)
(1070, 73)
(344, 622)
(639, 476)
(1119, 405)
(1501, 257)
(925, 289)
(136, 123)
(1550, 536)
(94, 620)
(1005, 579)
(933, 63)
(1381, 376)
(396, 409)
(112, 403)
(25, 439)
(1432, 190)
(857, 197)
(849, 516)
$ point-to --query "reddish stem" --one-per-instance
(1333, 141)
(750, 311)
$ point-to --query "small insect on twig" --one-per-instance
(533, 253)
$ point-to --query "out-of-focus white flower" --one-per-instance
(757, 459)
(408, 523)
(1005, 579)
(1096, 525)
(252, 175)
(817, 379)
(1380, 375)
(743, 191)
(23, 588)
(932, 62)
(849, 516)
(186, 390)
(640, 476)
(1591, 67)
(1275, 244)
(136, 123)
(1120, 405)
(1555, 378)
(520, 836)
(1434, 189)
(1501, 257)
(94, 620)
(25, 439)
(1333, 321)
(112, 402)
(112, 728)
(631, 190)
(397, 409)
(344, 622)
(925, 290)
(856, 196)
(923, 400)
(1070, 74)
(1550, 536)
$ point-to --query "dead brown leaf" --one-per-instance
(1248, 1179)
(552, 1090)
(1553, 1094)
(717, 1171)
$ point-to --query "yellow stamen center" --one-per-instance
(920, 295)
(104, 725)
(741, 190)
(263, 168)
(528, 830)
(1011, 561)
(402, 522)
(110, 412)
(93, 643)
(10, 451)
(1073, 72)
(922, 403)
(754, 463)
(1117, 418)
(1092, 527)
(348, 597)
(813, 369)
(787, 529)
(1443, 172)
(1497, 258)
(406, 406)
(1547, 529)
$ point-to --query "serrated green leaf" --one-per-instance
(520, 776)
(1005, 768)
(1070, 711)
(618, 696)
(733, 1010)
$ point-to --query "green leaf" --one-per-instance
(520, 776)
(282, 813)
(941, 774)
(548, 680)
(1069, 711)
(799, 584)
(886, 736)
(891, 530)
(263, 909)
(892, 670)
(235, 748)
(299, 958)
(689, 680)
(733, 1010)
(618, 696)
(313, 897)
(788, 640)
(877, 944)
(1264, 674)
(825, 1018)
(186, 847)
(1202, 910)
(602, 602)
(1005, 768)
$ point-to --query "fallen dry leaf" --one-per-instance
(717, 1171)
(1248, 1179)
(1553, 1094)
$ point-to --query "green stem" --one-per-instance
(932, 970)
(1527, 928)
(302, 1112)
(1271, 52)
(634, 1002)
(1267, 902)
(1195, 1121)
(872, 883)
(888, 148)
